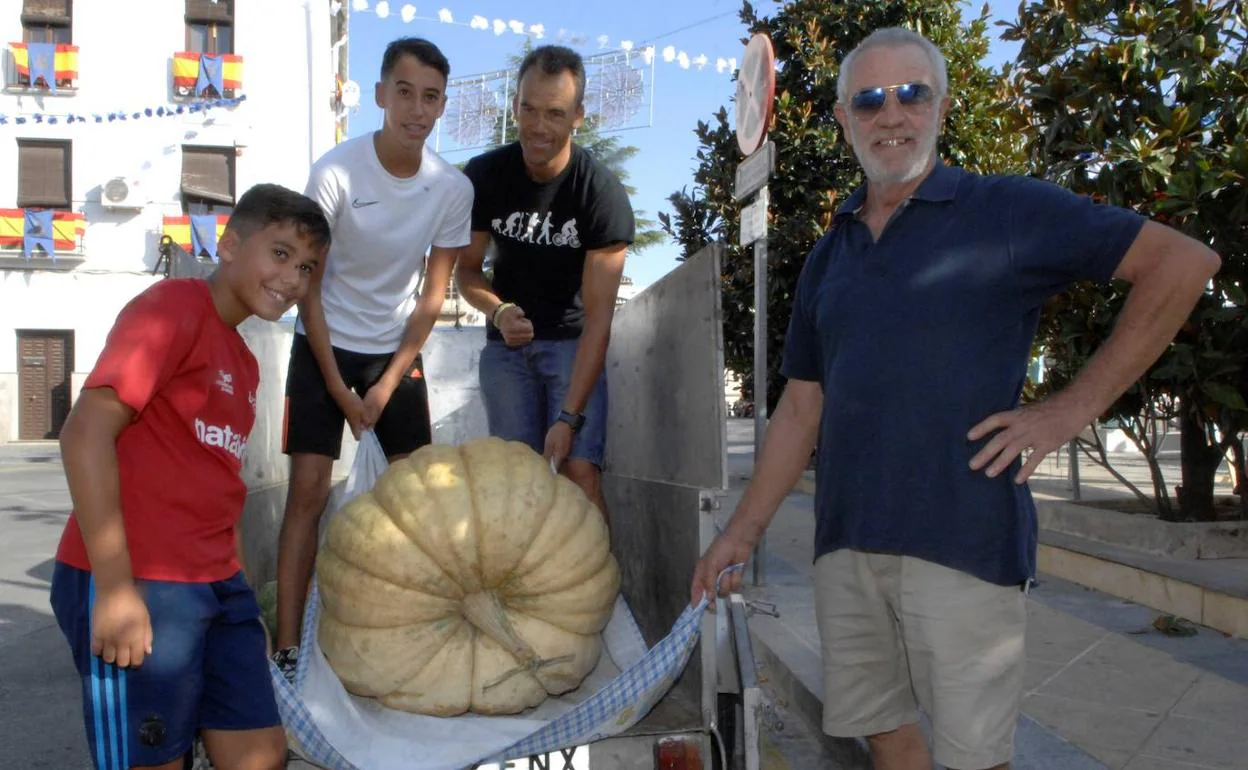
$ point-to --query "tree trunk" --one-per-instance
(1164, 507)
(1141, 430)
(1199, 460)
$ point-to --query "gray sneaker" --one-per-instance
(286, 660)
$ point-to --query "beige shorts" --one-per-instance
(900, 633)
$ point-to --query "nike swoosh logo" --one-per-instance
(359, 204)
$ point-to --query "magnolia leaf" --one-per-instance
(1224, 394)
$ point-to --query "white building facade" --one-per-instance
(163, 110)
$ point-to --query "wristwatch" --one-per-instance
(574, 420)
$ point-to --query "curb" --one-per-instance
(1159, 583)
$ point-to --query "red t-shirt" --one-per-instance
(192, 382)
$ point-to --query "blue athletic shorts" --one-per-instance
(208, 669)
(523, 389)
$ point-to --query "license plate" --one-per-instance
(564, 759)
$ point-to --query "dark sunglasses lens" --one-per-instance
(869, 100)
(914, 93)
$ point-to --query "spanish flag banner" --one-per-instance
(66, 65)
(186, 71)
(67, 229)
(179, 230)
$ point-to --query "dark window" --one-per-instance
(43, 174)
(47, 21)
(210, 26)
(207, 180)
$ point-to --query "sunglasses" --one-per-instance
(869, 101)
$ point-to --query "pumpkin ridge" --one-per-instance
(476, 518)
(329, 556)
(519, 573)
(434, 562)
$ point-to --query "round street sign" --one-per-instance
(756, 92)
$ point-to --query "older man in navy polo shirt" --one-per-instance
(905, 356)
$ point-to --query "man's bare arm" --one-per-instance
(600, 285)
(790, 438)
(470, 275)
(1168, 272)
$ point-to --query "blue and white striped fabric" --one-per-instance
(313, 707)
(106, 692)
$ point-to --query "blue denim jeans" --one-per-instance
(524, 388)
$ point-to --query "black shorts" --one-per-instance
(314, 422)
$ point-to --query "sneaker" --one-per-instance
(286, 660)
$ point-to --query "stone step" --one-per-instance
(1210, 592)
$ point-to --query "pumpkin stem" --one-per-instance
(485, 611)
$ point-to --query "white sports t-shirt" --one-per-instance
(382, 226)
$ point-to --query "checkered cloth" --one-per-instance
(613, 708)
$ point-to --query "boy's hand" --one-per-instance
(353, 409)
(121, 630)
(375, 401)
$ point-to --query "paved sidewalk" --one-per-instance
(1103, 688)
(40, 694)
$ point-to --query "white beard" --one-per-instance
(880, 175)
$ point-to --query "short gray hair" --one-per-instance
(894, 37)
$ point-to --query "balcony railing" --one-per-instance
(207, 76)
(63, 68)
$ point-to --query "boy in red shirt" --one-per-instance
(148, 586)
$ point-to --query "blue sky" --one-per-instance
(681, 96)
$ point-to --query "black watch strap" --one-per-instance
(574, 420)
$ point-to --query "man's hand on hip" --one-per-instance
(1038, 428)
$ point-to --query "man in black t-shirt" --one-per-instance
(560, 222)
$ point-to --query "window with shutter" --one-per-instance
(43, 174)
(47, 21)
(210, 26)
(207, 180)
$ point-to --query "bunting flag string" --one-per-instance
(669, 54)
(162, 111)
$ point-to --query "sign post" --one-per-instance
(756, 92)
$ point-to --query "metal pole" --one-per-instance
(507, 102)
(1074, 469)
(760, 379)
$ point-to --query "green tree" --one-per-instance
(1145, 105)
(815, 169)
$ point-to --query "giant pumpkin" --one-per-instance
(470, 578)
